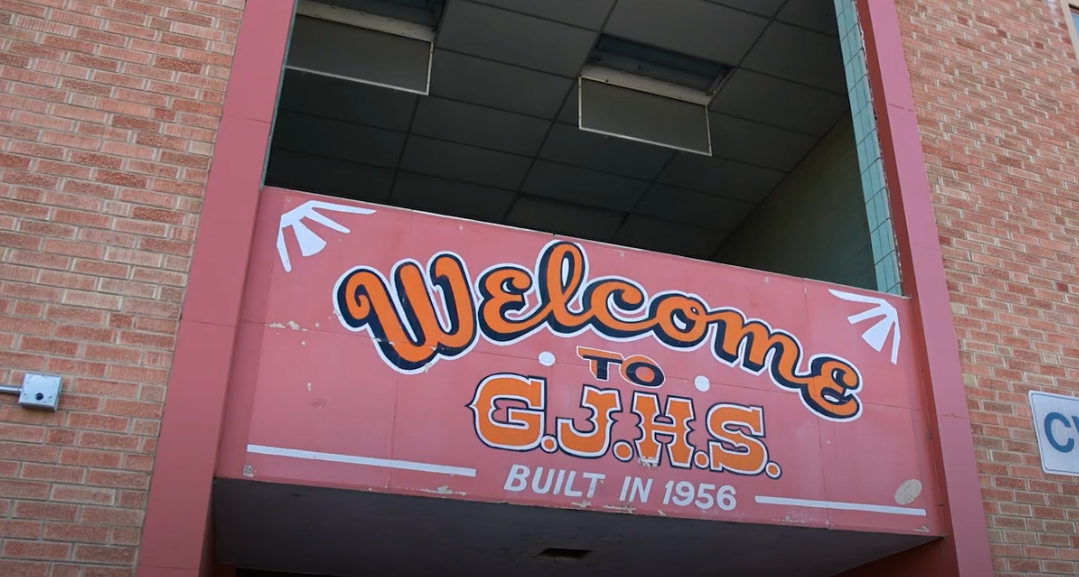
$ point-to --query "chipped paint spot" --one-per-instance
(661, 513)
(923, 529)
(276, 326)
(582, 504)
(292, 325)
(309, 387)
(249, 471)
(648, 463)
(908, 492)
(303, 343)
(626, 509)
(443, 490)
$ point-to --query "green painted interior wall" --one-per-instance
(814, 224)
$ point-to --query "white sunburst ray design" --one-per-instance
(309, 241)
(877, 335)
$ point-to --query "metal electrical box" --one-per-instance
(40, 392)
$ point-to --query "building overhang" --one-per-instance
(387, 351)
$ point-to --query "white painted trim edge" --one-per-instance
(652, 142)
(366, 20)
(644, 84)
(841, 506)
(365, 461)
(368, 82)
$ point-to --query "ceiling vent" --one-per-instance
(379, 42)
(647, 94)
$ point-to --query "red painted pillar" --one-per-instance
(964, 552)
(175, 539)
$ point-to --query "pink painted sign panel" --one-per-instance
(403, 352)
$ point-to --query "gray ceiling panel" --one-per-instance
(483, 145)
(441, 196)
(721, 177)
(569, 111)
(335, 139)
(693, 208)
(819, 16)
(479, 126)
(799, 55)
(692, 27)
(497, 85)
(407, 11)
(762, 7)
(328, 176)
(466, 163)
(322, 96)
(662, 236)
(562, 182)
(569, 145)
(560, 218)
(514, 38)
(584, 13)
(754, 143)
(780, 103)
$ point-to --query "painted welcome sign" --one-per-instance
(410, 353)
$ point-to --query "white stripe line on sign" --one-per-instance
(366, 461)
(841, 506)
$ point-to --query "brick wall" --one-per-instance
(108, 110)
(995, 82)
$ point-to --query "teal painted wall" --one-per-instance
(874, 189)
(814, 224)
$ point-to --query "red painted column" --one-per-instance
(965, 551)
(175, 538)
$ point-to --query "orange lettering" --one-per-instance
(603, 403)
(413, 328)
(736, 451)
(522, 429)
(674, 424)
(409, 333)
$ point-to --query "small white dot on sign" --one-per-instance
(702, 383)
(546, 359)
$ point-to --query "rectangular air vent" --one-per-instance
(625, 107)
(362, 47)
(658, 64)
(648, 94)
